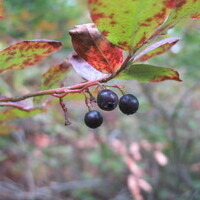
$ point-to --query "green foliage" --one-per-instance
(149, 73)
(183, 11)
(133, 23)
(185, 55)
(156, 49)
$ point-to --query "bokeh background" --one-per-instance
(152, 155)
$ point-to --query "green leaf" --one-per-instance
(52, 78)
(26, 53)
(182, 10)
(156, 49)
(128, 24)
(149, 73)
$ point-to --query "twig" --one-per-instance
(64, 90)
(21, 107)
(64, 108)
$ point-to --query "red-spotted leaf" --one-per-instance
(94, 48)
(53, 78)
(149, 73)
(181, 11)
(1, 9)
(18, 111)
(26, 53)
(85, 70)
(128, 24)
(156, 49)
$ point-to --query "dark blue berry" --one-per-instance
(93, 119)
(128, 104)
(107, 100)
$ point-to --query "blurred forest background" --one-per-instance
(152, 155)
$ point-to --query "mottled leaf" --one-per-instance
(156, 49)
(1, 9)
(52, 79)
(182, 10)
(26, 53)
(149, 73)
(18, 111)
(85, 70)
(128, 24)
(94, 48)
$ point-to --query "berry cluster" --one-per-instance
(108, 100)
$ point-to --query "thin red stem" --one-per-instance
(64, 91)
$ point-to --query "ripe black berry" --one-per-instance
(128, 104)
(93, 119)
(107, 100)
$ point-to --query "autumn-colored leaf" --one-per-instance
(26, 53)
(18, 110)
(85, 70)
(149, 73)
(156, 49)
(181, 11)
(94, 48)
(53, 78)
(128, 24)
(1, 9)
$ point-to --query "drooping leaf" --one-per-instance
(53, 78)
(85, 70)
(94, 48)
(26, 53)
(149, 73)
(18, 110)
(156, 49)
(181, 11)
(1, 9)
(128, 24)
